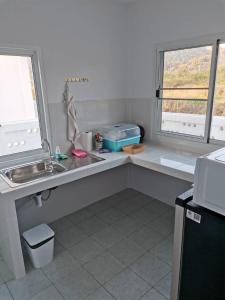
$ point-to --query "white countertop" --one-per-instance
(161, 159)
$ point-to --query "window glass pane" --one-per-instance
(186, 94)
(20, 130)
(218, 117)
(184, 117)
(186, 75)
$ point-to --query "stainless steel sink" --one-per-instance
(74, 162)
(25, 173)
(28, 172)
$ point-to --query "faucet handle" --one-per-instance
(45, 141)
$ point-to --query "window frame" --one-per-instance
(214, 41)
(36, 154)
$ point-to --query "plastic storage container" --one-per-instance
(39, 242)
(118, 135)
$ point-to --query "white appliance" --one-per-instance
(209, 181)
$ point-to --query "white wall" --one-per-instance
(113, 45)
(108, 41)
(157, 21)
(77, 38)
(152, 22)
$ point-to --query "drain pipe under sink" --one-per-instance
(39, 198)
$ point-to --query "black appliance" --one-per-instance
(199, 270)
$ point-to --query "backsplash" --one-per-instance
(91, 114)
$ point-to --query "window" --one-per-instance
(218, 114)
(22, 126)
(191, 91)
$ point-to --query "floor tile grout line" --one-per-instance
(63, 277)
(124, 238)
(52, 284)
(154, 286)
(94, 214)
(127, 238)
(125, 266)
(160, 232)
(58, 291)
(75, 224)
(129, 234)
(102, 284)
(161, 293)
(109, 293)
(128, 268)
(169, 265)
(107, 249)
(33, 270)
(149, 291)
(94, 257)
(149, 252)
(9, 291)
(92, 292)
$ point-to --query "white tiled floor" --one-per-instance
(118, 248)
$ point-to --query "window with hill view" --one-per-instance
(192, 92)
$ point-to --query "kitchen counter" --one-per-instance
(165, 160)
(157, 158)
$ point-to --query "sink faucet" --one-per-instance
(45, 141)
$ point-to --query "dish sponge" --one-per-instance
(79, 153)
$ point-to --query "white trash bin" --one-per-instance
(39, 242)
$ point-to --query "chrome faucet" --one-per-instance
(45, 141)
